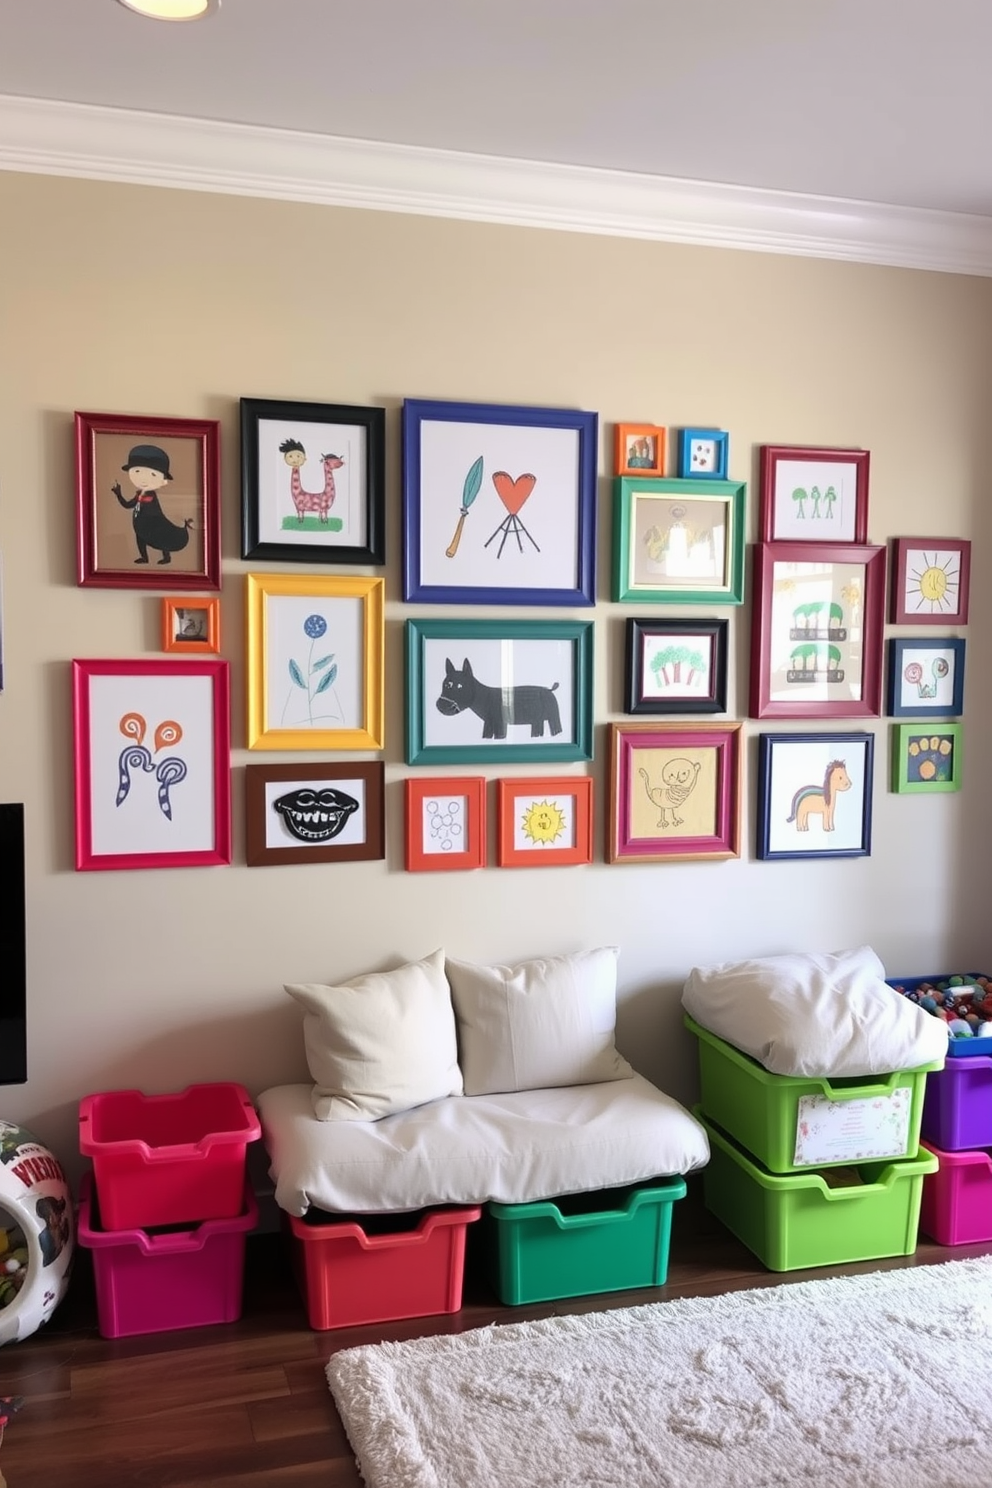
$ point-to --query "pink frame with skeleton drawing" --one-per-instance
(675, 792)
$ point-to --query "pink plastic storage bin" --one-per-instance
(956, 1208)
(152, 1283)
(957, 1105)
(349, 1276)
(168, 1159)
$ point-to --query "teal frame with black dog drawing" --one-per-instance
(494, 690)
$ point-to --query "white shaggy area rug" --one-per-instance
(872, 1381)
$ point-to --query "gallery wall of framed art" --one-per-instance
(499, 508)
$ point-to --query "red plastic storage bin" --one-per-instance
(151, 1283)
(168, 1159)
(349, 1275)
(956, 1208)
(957, 1105)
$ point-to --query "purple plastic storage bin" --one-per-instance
(149, 1282)
(956, 1207)
(957, 1105)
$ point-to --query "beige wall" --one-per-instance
(123, 299)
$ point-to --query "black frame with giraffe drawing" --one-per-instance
(675, 792)
(815, 795)
(285, 520)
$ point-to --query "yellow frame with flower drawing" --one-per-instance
(315, 662)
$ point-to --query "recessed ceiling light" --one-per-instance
(172, 10)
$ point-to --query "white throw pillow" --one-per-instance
(540, 1024)
(817, 1015)
(380, 1043)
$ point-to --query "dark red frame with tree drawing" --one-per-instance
(766, 623)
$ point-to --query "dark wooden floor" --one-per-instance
(247, 1403)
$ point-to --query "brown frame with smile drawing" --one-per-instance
(342, 833)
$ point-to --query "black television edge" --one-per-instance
(13, 950)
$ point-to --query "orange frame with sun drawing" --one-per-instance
(930, 580)
(544, 821)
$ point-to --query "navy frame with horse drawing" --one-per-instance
(516, 690)
(815, 795)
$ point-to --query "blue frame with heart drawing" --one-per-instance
(926, 677)
(703, 454)
(499, 504)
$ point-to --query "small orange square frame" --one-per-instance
(544, 821)
(445, 823)
(639, 449)
(190, 623)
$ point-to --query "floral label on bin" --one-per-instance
(829, 1131)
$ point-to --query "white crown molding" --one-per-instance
(66, 139)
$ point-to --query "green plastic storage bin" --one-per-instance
(794, 1123)
(799, 1220)
(607, 1241)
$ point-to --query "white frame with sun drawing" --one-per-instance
(544, 821)
(930, 580)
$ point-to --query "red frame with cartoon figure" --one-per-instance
(111, 522)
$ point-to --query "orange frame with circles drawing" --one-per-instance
(445, 818)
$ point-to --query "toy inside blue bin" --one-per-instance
(968, 994)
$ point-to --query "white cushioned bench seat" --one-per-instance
(513, 1148)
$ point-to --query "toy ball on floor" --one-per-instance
(37, 1233)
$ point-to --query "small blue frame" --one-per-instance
(454, 453)
(702, 454)
(925, 677)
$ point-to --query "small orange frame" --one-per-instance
(176, 609)
(547, 820)
(442, 827)
(639, 449)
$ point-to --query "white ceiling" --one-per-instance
(872, 101)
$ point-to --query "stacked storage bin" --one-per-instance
(957, 1130)
(168, 1206)
(811, 1172)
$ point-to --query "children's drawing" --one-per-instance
(680, 665)
(136, 756)
(679, 778)
(641, 452)
(315, 815)
(914, 675)
(930, 758)
(147, 469)
(817, 626)
(820, 800)
(821, 503)
(513, 494)
(316, 679)
(543, 822)
(444, 824)
(306, 502)
(470, 489)
(932, 583)
(529, 705)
